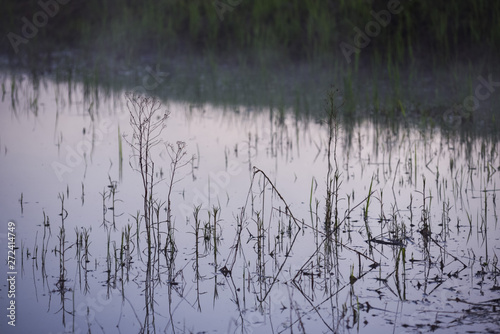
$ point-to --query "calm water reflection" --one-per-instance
(256, 258)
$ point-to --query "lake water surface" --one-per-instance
(411, 248)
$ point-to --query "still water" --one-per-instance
(411, 247)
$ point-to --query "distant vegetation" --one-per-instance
(300, 29)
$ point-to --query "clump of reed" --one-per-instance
(147, 119)
(333, 175)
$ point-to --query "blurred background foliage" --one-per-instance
(295, 29)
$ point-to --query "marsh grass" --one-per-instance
(305, 29)
(120, 155)
(147, 121)
(333, 173)
(178, 160)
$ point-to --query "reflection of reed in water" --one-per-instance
(61, 283)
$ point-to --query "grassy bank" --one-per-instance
(300, 29)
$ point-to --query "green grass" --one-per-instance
(298, 28)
